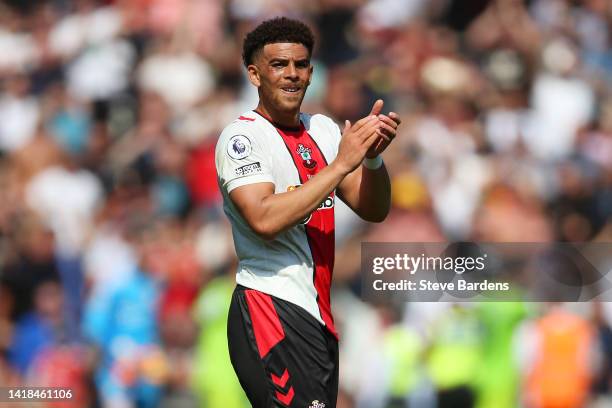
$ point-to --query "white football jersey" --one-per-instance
(297, 265)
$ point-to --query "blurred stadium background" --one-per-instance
(116, 261)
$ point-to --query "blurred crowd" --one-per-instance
(116, 261)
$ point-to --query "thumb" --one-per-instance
(377, 107)
(347, 125)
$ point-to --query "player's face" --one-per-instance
(282, 73)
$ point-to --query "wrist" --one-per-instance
(374, 163)
(339, 168)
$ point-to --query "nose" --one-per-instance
(291, 71)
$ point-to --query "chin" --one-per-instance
(290, 106)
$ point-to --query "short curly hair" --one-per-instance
(276, 30)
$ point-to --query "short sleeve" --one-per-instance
(241, 159)
(335, 132)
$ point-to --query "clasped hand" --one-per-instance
(367, 138)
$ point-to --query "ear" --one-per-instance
(310, 71)
(253, 73)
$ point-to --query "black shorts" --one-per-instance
(282, 355)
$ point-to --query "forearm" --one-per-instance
(368, 193)
(279, 212)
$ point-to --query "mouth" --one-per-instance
(291, 90)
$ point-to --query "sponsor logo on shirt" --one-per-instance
(325, 204)
(248, 169)
(239, 147)
(305, 154)
(317, 404)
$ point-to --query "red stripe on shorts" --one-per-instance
(266, 324)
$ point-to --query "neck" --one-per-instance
(281, 118)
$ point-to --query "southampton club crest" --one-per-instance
(305, 154)
(239, 147)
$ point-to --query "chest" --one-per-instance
(298, 155)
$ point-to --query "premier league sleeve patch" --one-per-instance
(248, 169)
(239, 147)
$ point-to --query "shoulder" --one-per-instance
(318, 120)
(323, 128)
(239, 132)
(244, 123)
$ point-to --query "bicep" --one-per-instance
(248, 199)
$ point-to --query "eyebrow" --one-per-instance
(281, 59)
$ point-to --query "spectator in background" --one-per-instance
(70, 124)
(558, 354)
(454, 357)
(181, 77)
(34, 262)
(498, 379)
(403, 355)
(19, 113)
(39, 329)
(7, 370)
(45, 350)
(603, 378)
(132, 365)
(213, 375)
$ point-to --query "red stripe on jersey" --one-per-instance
(309, 160)
(266, 324)
(246, 118)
